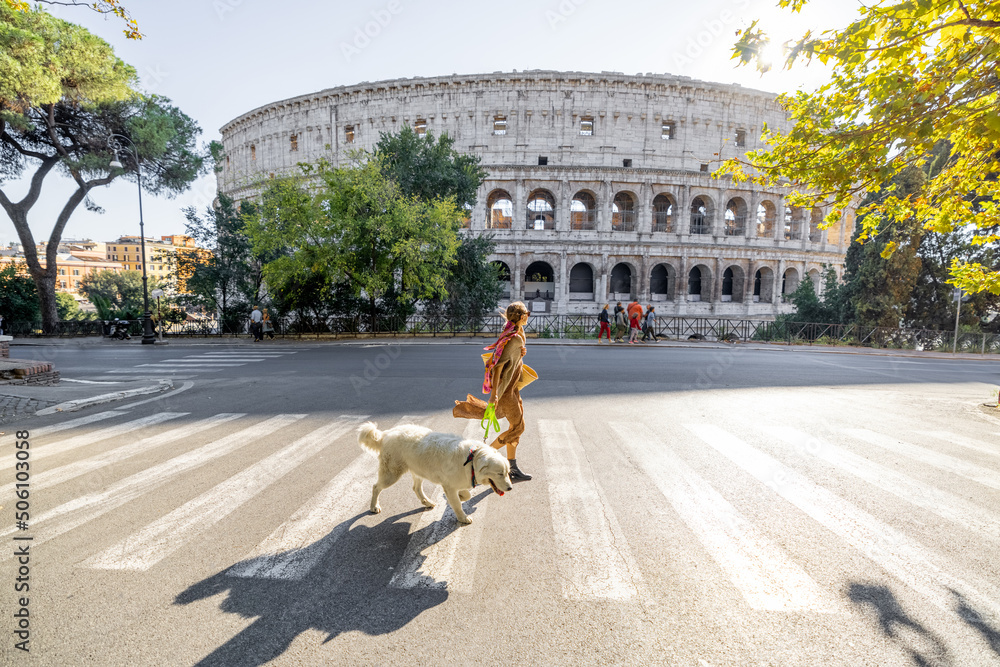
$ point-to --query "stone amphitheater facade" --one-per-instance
(599, 185)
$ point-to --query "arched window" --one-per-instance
(659, 282)
(763, 285)
(700, 223)
(663, 214)
(621, 280)
(736, 217)
(583, 212)
(792, 231)
(815, 219)
(727, 285)
(581, 282)
(756, 286)
(694, 284)
(623, 213)
(539, 281)
(499, 210)
(541, 210)
(789, 283)
(765, 220)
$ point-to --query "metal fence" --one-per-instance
(559, 326)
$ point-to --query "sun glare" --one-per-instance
(773, 56)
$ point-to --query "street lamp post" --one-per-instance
(148, 337)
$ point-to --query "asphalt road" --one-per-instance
(689, 507)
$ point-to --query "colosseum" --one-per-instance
(599, 185)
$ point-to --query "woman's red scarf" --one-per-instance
(509, 331)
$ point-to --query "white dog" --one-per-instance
(441, 458)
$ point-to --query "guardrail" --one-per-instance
(559, 326)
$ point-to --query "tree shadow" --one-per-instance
(923, 646)
(346, 589)
(975, 620)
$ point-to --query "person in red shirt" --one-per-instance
(634, 326)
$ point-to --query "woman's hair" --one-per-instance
(516, 311)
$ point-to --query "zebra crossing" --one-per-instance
(593, 552)
(206, 362)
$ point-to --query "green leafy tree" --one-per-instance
(63, 121)
(354, 226)
(473, 284)
(905, 76)
(229, 281)
(18, 297)
(121, 290)
(429, 169)
(109, 7)
(69, 309)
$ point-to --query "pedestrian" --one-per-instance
(256, 317)
(267, 329)
(650, 328)
(504, 377)
(621, 322)
(605, 322)
(634, 307)
(1, 325)
(633, 326)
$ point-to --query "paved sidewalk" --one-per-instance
(19, 402)
(479, 340)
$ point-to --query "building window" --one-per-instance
(736, 217)
(500, 210)
(76, 272)
(541, 210)
(792, 232)
(815, 220)
(627, 162)
(294, 141)
(420, 127)
(700, 223)
(348, 134)
(583, 212)
(765, 219)
(704, 168)
(253, 152)
(542, 160)
(663, 214)
(587, 126)
(667, 129)
(741, 138)
(499, 125)
(623, 213)
(227, 162)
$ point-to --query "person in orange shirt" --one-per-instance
(634, 308)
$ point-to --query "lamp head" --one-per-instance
(115, 164)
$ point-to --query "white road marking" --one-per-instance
(968, 443)
(593, 554)
(72, 470)
(951, 464)
(431, 557)
(760, 570)
(84, 439)
(80, 510)
(190, 366)
(904, 558)
(946, 505)
(159, 539)
(73, 423)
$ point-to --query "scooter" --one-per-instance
(119, 330)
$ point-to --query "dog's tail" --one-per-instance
(370, 438)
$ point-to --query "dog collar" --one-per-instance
(472, 454)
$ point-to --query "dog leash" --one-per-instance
(489, 419)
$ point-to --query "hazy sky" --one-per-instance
(217, 59)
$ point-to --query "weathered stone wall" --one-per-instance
(544, 150)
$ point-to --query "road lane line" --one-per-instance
(80, 510)
(951, 464)
(593, 554)
(962, 441)
(760, 570)
(159, 539)
(70, 471)
(946, 505)
(84, 439)
(432, 553)
(902, 557)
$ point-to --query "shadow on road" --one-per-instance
(346, 590)
(923, 646)
(976, 621)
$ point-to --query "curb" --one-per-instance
(73, 406)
